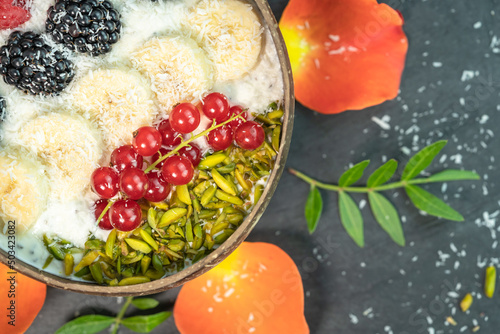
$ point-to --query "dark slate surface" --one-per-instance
(384, 288)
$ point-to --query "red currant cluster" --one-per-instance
(128, 176)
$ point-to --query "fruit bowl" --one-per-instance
(211, 260)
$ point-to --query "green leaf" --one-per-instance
(87, 324)
(145, 303)
(382, 174)
(314, 207)
(454, 175)
(145, 323)
(422, 160)
(351, 218)
(429, 203)
(387, 216)
(353, 174)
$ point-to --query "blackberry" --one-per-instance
(86, 26)
(34, 67)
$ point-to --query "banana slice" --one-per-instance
(23, 189)
(179, 69)
(118, 101)
(70, 146)
(231, 33)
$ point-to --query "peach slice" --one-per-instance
(22, 299)
(345, 54)
(257, 289)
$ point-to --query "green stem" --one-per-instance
(187, 142)
(332, 187)
(120, 315)
(106, 209)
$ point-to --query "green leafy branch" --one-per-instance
(90, 324)
(384, 212)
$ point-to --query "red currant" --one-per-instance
(133, 182)
(250, 135)
(159, 154)
(237, 110)
(158, 188)
(177, 170)
(125, 215)
(147, 141)
(104, 181)
(126, 157)
(99, 207)
(220, 138)
(169, 136)
(216, 106)
(192, 152)
(185, 118)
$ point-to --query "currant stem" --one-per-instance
(332, 187)
(106, 209)
(188, 141)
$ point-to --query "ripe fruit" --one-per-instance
(158, 188)
(185, 118)
(12, 16)
(216, 106)
(86, 26)
(235, 123)
(177, 170)
(192, 152)
(125, 215)
(125, 157)
(161, 152)
(32, 66)
(147, 141)
(250, 135)
(220, 138)
(99, 207)
(169, 136)
(133, 182)
(104, 181)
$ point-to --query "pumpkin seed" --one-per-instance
(48, 261)
(275, 114)
(96, 271)
(82, 272)
(222, 183)
(134, 280)
(224, 235)
(145, 262)
(223, 196)
(227, 168)
(243, 183)
(113, 282)
(110, 243)
(154, 274)
(259, 189)
(171, 216)
(212, 161)
(490, 281)
(133, 257)
(466, 302)
(139, 245)
(276, 137)
(157, 262)
(208, 194)
(149, 239)
(87, 259)
(69, 262)
(207, 214)
(183, 194)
